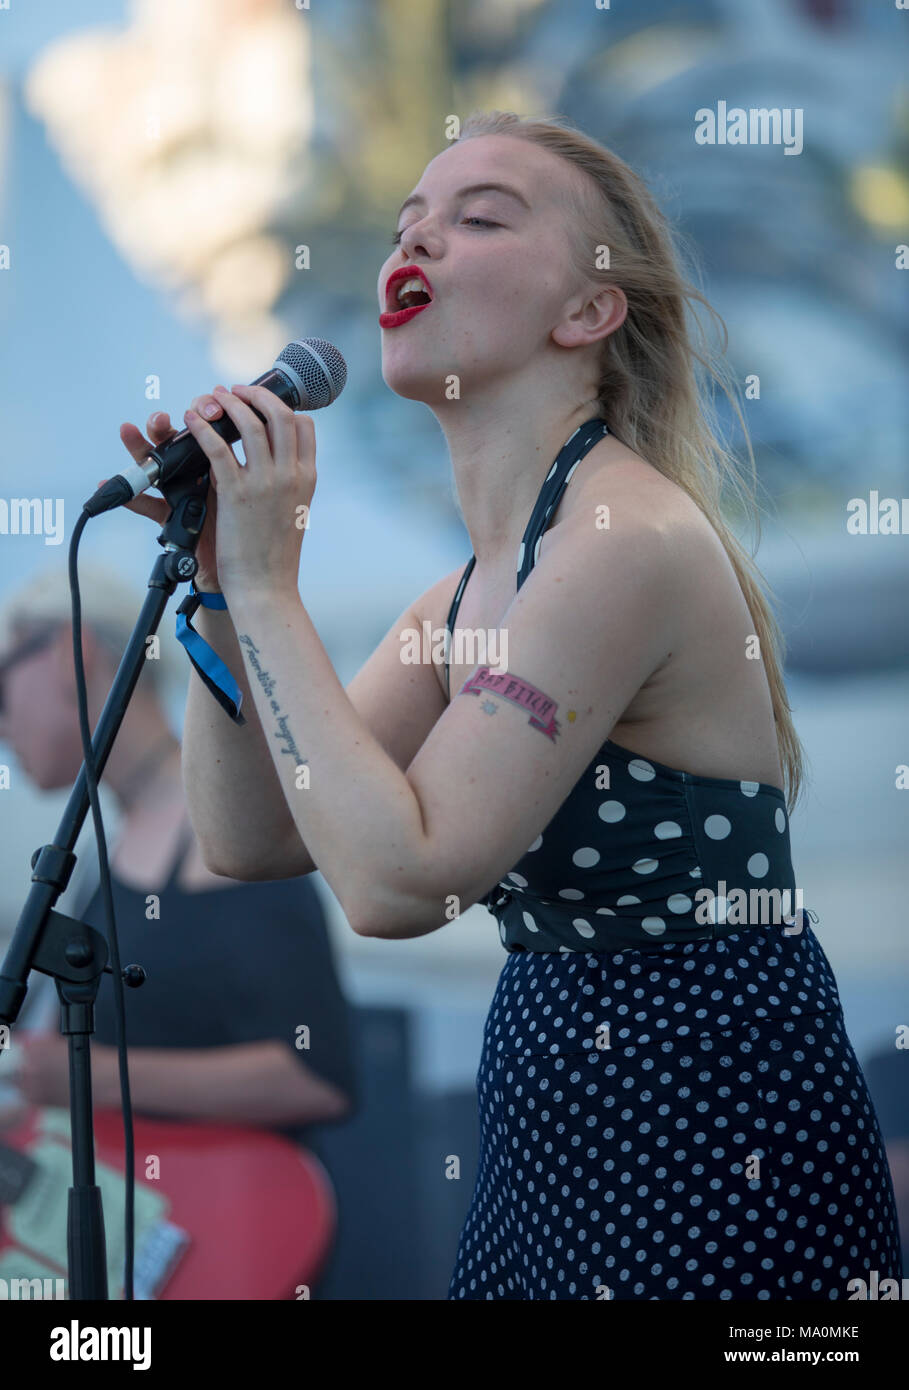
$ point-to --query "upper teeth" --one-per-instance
(415, 284)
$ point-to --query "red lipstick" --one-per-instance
(393, 318)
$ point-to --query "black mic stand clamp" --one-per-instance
(69, 950)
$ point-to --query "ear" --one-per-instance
(594, 318)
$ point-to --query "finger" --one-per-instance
(135, 441)
(280, 423)
(253, 433)
(158, 426)
(153, 507)
(207, 406)
(224, 463)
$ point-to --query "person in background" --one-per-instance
(886, 1075)
(235, 971)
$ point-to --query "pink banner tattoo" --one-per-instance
(520, 692)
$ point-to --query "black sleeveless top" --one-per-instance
(239, 964)
(639, 852)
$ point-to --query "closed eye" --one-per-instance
(483, 221)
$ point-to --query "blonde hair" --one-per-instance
(110, 607)
(658, 370)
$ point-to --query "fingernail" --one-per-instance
(210, 410)
(190, 415)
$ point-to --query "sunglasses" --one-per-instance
(29, 646)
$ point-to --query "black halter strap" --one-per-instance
(568, 458)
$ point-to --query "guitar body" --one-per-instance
(222, 1212)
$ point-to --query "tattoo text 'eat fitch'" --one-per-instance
(520, 692)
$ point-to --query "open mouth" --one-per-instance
(406, 292)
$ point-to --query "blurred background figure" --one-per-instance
(243, 192)
(885, 1073)
(241, 1020)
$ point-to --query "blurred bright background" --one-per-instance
(162, 164)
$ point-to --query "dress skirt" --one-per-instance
(683, 1122)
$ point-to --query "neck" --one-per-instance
(502, 444)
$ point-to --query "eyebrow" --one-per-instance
(473, 188)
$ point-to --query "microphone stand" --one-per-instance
(73, 953)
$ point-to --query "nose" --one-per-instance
(420, 239)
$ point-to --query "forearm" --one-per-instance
(353, 806)
(236, 803)
(259, 1083)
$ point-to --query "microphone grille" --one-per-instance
(319, 367)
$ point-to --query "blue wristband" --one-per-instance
(211, 669)
(215, 599)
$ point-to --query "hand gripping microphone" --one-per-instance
(307, 375)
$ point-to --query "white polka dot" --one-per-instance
(611, 811)
(695, 873)
(758, 865)
(586, 857)
(678, 902)
(667, 830)
(583, 928)
(573, 893)
(641, 770)
(536, 844)
(645, 866)
(779, 819)
(717, 827)
(750, 788)
(627, 900)
(521, 556)
(654, 926)
(606, 911)
(519, 879)
(529, 923)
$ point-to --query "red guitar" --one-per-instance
(222, 1212)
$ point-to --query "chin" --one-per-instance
(415, 385)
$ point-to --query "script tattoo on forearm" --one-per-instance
(519, 692)
(267, 683)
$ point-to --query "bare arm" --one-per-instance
(238, 809)
(259, 1083)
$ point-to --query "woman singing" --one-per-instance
(670, 1106)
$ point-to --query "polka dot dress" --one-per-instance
(670, 1107)
(700, 1160)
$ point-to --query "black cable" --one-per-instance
(91, 783)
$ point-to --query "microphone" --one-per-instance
(309, 374)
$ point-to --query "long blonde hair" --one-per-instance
(658, 370)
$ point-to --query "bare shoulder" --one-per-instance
(626, 492)
(649, 520)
